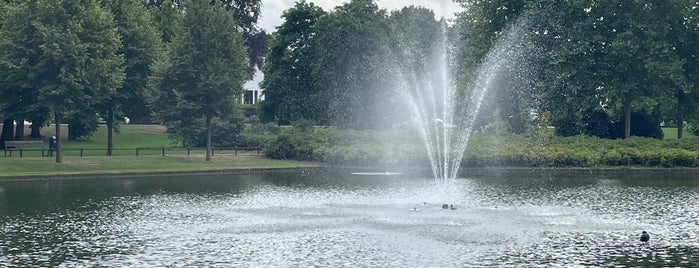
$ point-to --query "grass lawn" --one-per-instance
(670, 133)
(130, 137)
(15, 166)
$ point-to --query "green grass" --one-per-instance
(128, 137)
(670, 133)
(16, 166)
(330, 145)
(124, 159)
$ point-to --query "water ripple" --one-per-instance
(392, 223)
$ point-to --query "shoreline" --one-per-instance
(601, 172)
(73, 176)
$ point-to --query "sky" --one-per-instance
(272, 9)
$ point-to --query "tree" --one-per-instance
(290, 91)
(17, 103)
(625, 44)
(166, 17)
(70, 56)
(140, 45)
(416, 34)
(616, 57)
(204, 71)
(480, 25)
(245, 13)
(422, 52)
(353, 62)
(497, 37)
(684, 36)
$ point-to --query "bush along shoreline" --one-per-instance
(351, 147)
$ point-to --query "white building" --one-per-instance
(253, 92)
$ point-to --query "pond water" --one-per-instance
(506, 218)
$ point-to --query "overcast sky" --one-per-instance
(272, 9)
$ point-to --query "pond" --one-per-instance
(344, 218)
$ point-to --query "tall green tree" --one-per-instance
(166, 17)
(420, 51)
(140, 45)
(353, 60)
(205, 69)
(246, 14)
(684, 37)
(632, 48)
(290, 91)
(19, 103)
(618, 53)
(599, 57)
(417, 35)
(492, 34)
(480, 25)
(70, 59)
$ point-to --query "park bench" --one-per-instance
(20, 146)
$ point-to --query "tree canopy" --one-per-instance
(66, 52)
(203, 75)
(70, 61)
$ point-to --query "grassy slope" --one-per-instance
(544, 150)
(125, 159)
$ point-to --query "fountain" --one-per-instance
(433, 97)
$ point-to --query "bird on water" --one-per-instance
(645, 237)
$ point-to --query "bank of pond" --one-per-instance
(543, 150)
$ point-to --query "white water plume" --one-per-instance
(444, 126)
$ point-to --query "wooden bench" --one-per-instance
(24, 145)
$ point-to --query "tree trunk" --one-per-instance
(627, 123)
(208, 138)
(8, 131)
(19, 130)
(59, 155)
(36, 130)
(71, 132)
(110, 129)
(680, 114)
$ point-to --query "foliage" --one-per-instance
(140, 45)
(82, 126)
(65, 52)
(351, 147)
(351, 65)
(192, 132)
(290, 91)
(620, 56)
(501, 31)
(593, 122)
(642, 125)
(245, 13)
(257, 135)
(203, 74)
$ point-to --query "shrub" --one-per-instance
(258, 135)
(642, 125)
(593, 122)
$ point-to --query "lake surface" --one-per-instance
(505, 218)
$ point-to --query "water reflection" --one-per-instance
(334, 218)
